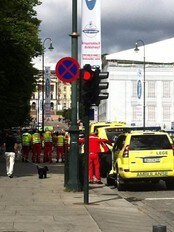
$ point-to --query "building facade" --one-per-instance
(124, 104)
(60, 96)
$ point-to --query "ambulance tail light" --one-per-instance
(126, 152)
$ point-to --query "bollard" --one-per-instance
(159, 228)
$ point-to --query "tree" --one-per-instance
(19, 43)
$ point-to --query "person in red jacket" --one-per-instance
(94, 149)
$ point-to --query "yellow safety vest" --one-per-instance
(60, 140)
(48, 136)
(26, 139)
(36, 138)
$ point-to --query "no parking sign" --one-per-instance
(67, 69)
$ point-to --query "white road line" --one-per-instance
(155, 199)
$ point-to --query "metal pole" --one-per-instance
(43, 80)
(43, 87)
(38, 105)
(144, 96)
(86, 157)
(74, 182)
(144, 81)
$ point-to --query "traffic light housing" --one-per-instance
(87, 85)
(100, 85)
(92, 85)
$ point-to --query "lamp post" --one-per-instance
(43, 71)
(144, 80)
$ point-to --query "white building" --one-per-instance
(126, 98)
(60, 94)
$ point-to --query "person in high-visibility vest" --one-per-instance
(36, 146)
(48, 146)
(26, 144)
(60, 147)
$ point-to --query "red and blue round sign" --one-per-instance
(67, 69)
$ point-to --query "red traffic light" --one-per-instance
(87, 75)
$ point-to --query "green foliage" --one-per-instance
(67, 114)
(19, 43)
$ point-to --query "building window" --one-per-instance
(166, 113)
(151, 113)
(134, 88)
(33, 96)
(39, 88)
(33, 106)
(166, 89)
(52, 106)
(134, 113)
(52, 88)
(151, 88)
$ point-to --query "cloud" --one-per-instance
(122, 23)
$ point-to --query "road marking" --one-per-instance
(164, 198)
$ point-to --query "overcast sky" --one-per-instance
(123, 22)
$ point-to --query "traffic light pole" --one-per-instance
(73, 183)
(86, 157)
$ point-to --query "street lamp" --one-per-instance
(144, 79)
(43, 71)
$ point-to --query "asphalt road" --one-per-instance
(153, 199)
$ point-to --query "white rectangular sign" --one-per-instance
(91, 33)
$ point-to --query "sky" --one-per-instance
(123, 22)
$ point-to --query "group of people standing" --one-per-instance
(32, 144)
(28, 144)
(47, 141)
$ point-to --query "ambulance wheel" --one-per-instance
(170, 184)
(120, 183)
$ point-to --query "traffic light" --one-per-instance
(87, 85)
(100, 85)
(92, 86)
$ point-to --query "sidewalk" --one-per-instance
(30, 204)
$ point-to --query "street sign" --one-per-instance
(67, 69)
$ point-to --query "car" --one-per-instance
(142, 156)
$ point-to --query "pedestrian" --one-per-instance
(36, 146)
(94, 150)
(59, 143)
(26, 145)
(10, 146)
(48, 145)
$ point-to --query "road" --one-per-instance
(153, 199)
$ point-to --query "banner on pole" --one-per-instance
(47, 92)
(40, 109)
(139, 108)
(91, 33)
